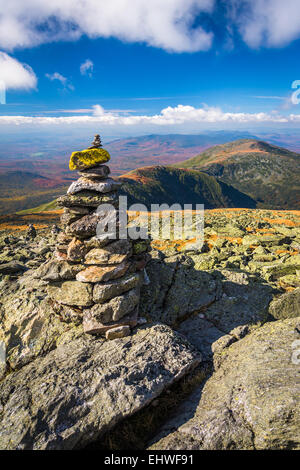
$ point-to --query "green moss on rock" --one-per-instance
(88, 158)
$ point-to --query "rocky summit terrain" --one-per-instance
(212, 363)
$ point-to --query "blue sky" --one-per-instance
(135, 66)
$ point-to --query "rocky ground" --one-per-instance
(213, 364)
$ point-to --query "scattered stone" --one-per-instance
(31, 232)
(119, 332)
(13, 267)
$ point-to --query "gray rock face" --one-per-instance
(104, 292)
(250, 402)
(286, 306)
(176, 289)
(79, 391)
(86, 184)
(29, 327)
(228, 298)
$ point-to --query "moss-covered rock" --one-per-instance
(88, 158)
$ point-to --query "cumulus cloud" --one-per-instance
(167, 24)
(14, 75)
(173, 25)
(87, 67)
(270, 23)
(170, 116)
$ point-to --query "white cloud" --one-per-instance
(270, 23)
(57, 76)
(161, 23)
(171, 116)
(60, 78)
(14, 75)
(166, 24)
(87, 67)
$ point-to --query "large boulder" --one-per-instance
(286, 306)
(29, 327)
(250, 402)
(82, 389)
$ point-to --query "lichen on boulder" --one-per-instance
(88, 158)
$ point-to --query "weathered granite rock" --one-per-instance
(87, 199)
(176, 288)
(286, 306)
(71, 293)
(243, 301)
(81, 390)
(76, 250)
(118, 332)
(250, 402)
(88, 158)
(102, 273)
(116, 308)
(113, 253)
(201, 334)
(97, 172)
(86, 184)
(104, 292)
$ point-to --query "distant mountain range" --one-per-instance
(244, 173)
(159, 184)
(265, 172)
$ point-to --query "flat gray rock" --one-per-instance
(86, 184)
(81, 390)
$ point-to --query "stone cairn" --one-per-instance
(92, 278)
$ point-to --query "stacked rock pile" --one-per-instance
(92, 278)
